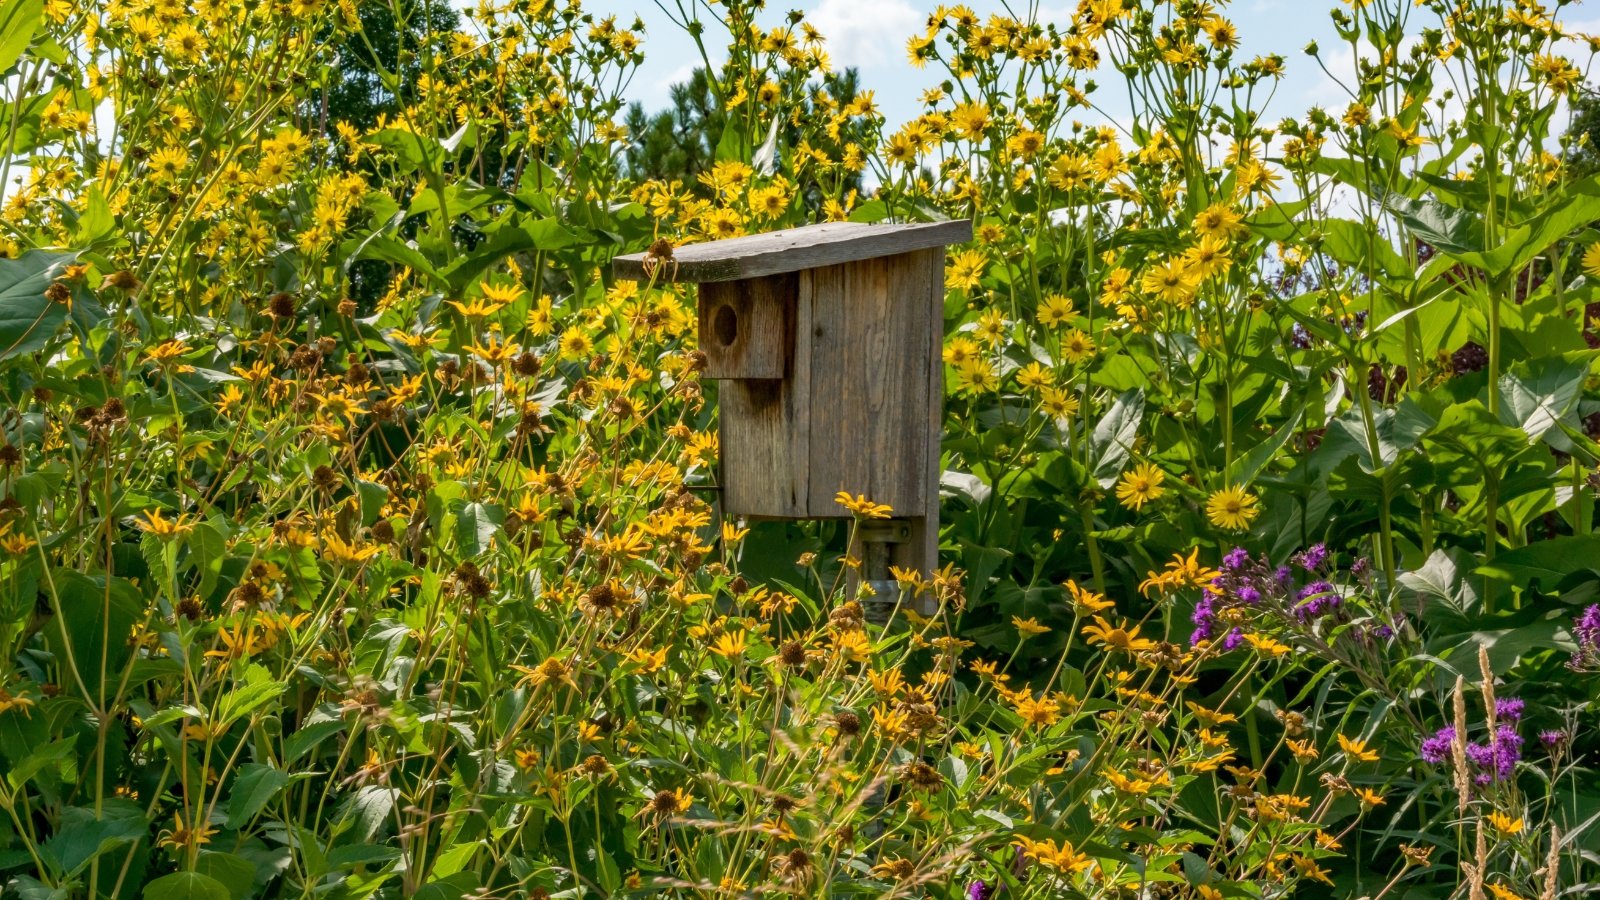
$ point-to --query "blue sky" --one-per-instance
(871, 35)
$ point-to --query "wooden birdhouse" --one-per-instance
(827, 341)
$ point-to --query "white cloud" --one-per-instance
(867, 33)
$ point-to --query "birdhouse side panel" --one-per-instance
(872, 346)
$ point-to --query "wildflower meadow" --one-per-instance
(362, 531)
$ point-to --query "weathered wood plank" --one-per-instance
(792, 250)
(870, 334)
(765, 435)
(747, 327)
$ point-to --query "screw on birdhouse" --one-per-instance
(826, 342)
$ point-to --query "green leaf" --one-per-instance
(526, 235)
(90, 636)
(56, 754)
(476, 526)
(1451, 230)
(1546, 563)
(82, 836)
(259, 688)
(186, 886)
(252, 790)
(369, 809)
(236, 874)
(1544, 397)
(27, 318)
(19, 20)
(308, 737)
(1114, 434)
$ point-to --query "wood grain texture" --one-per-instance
(871, 349)
(792, 250)
(747, 326)
(765, 436)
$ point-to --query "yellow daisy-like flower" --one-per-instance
(1140, 485)
(1504, 824)
(1029, 626)
(1591, 260)
(1357, 750)
(1117, 637)
(863, 507)
(1232, 508)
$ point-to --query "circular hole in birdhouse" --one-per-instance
(725, 324)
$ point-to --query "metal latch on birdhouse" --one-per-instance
(826, 340)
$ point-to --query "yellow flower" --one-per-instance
(553, 669)
(1504, 824)
(1170, 282)
(1058, 403)
(1053, 855)
(966, 268)
(1501, 892)
(1087, 602)
(337, 550)
(477, 308)
(1029, 626)
(1118, 637)
(183, 836)
(1357, 750)
(1140, 485)
(1039, 713)
(1218, 221)
(1591, 260)
(1369, 797)
(863, 507)
(1055, 310)
(1077, 346)
(159, 525)
(1232, 508)
(730, 645)
(670, 803)
(1303, 751)
(9, 701)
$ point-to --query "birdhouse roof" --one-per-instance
(791, 250)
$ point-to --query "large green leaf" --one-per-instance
(1114, 434)
(476, 526)
(19, 19)
(186, 886)
(1541, 397)
(28, 319)
(84, 835)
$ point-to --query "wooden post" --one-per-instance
(827, 339)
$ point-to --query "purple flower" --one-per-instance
(978, 890)
(1499, 757)
(1319, 598)
(1553, 738)
(1248, 594)
(1235, 559)
(1508, 708)
(1313, 558)
(1437, 748)
(1233, 640)
(1587, 629)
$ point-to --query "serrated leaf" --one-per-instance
(252, 790)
